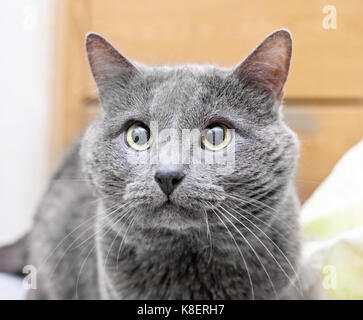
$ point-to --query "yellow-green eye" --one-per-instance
(138, 136)
(216, 137)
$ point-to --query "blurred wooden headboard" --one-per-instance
(324, 94)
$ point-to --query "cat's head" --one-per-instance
(241, 154)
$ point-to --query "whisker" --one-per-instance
(116, 236)
(263, 244)
(99, 229)
(124, 238)
(254, 200)
(248, 201)
(277, 247)
(238, 249)
(72, 179)
(80, 236)
(262, 221)
(81, 268)
(85, 260)
(209, 236)
(253, 249)
(68, 235)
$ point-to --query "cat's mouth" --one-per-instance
(169, 204)
(172, 215)
(176, 205)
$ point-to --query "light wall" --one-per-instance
(25, 82)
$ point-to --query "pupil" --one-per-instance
(140, 135)
(215, 135)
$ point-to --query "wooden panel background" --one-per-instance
(324, 94)
(326, 63)
(326, 132)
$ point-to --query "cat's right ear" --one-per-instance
(107, 64)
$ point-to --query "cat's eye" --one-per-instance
(216, 137)
(138, 136)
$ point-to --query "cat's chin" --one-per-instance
(171, 207)
(171, 215)
(190, 209)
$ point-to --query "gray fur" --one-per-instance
(162, 251)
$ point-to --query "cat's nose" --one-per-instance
(168, 177)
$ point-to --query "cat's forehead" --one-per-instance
(177, 94)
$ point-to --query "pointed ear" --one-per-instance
(268, 65)
(107, 64)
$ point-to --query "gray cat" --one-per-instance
(113, 227)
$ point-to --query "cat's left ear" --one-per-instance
(107, 64)
(268, 65)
